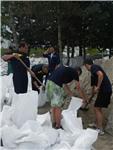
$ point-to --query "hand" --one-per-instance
(43, 88)
(32, 73)
(96, 89)
(70, 94)
(16, 55)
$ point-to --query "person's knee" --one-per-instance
(97, 109)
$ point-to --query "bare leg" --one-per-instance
(58, 116)
(99, 117)
(53, 115)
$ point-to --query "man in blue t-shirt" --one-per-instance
(40, 70)
(102, 87)
(53, 58)
(57, 88)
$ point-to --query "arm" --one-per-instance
(36, 85)
(7, 57)
(100, 78)
(67, 90)
(45, 54)
(81, 92)
(10, 56)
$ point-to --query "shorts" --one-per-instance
(55, 94)
(103, 99)
(20, 84)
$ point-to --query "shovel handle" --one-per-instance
(29, 70)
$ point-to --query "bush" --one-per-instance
(37, 52)
(92, 51)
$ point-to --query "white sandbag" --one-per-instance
(29, 82)
(68, 137)
(44, 119)
(42, 98)
(6, 116)
(27, 146)
(6, 90)
(10, 135)
(3, 90)
(3, 148)
(75, 103)
(60, 146)
(31, 126)
(43, 140)
(70, 122)
(25, 108)
(85, 140)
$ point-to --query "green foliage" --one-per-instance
(2, 50)
(36, 52)
(92, 51)
(83, 24)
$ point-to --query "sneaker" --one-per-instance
(100, 131)
(92, 125)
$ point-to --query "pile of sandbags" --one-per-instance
(23, 129)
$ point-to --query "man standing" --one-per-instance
(53, 58)
(40, 71)
(102, 87)
(57, 88)
(20, 77)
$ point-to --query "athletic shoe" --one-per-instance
(92, 125)
(100, 131)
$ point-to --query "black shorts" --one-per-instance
(20, 84)
(103, 99)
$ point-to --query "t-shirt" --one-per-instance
(18, 68)
(105, 85)
(63, 75)
(20, 78)
(53, 60)
(37, 69)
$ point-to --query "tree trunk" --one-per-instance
(80, 50)
(84, 51)
(73, 51)
(110, 52)
(68, 55)
(12, 24)
(59, 32)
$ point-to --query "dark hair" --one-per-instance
(88, 61)
(78, 69)
(22, 44)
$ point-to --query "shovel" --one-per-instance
(85, 107)
(30, 71)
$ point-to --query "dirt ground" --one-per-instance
(104, 142)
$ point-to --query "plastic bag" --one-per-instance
(70, 122)
(10, 135)
(6, 116)
(44, 119)
(75, 103)
(42, 98)
(41, 140)
(25, 108)
(85, 140)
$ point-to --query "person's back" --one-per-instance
(40, 70)
(105, 85)
(63, 75)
